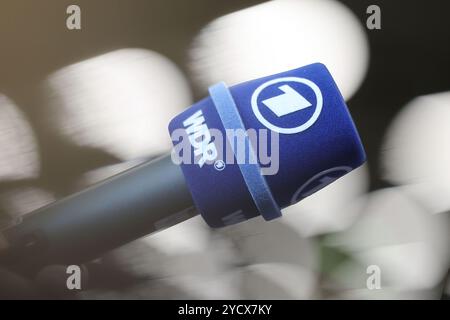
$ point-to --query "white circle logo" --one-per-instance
(290, 101)
(219, 165)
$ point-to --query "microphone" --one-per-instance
(244, 151)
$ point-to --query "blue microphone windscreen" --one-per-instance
(265, 144)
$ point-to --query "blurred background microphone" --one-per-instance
(74, 110)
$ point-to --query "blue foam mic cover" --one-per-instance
(262, 145)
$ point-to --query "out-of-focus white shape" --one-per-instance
(416, 151)
(120, 102)
(278, 36)
(327, 210)
(202, 269)
(274, 246)
(205, 277)
(190, 236)
(408, 244)
(18, 149)
(260, 241)
(201, 262)
(277, 281)
(19, 201)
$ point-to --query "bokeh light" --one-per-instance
(19, 156)
(18, 201)
(395, 233)
(281, 35)
(277, 281)
(168, 268)
(268, 250)
(119, 102)
(325, 211)
(416, 151)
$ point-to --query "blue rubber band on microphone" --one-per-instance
(255, 181)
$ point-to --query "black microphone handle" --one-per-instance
(76, 229)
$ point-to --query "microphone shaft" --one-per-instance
(137, 202)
